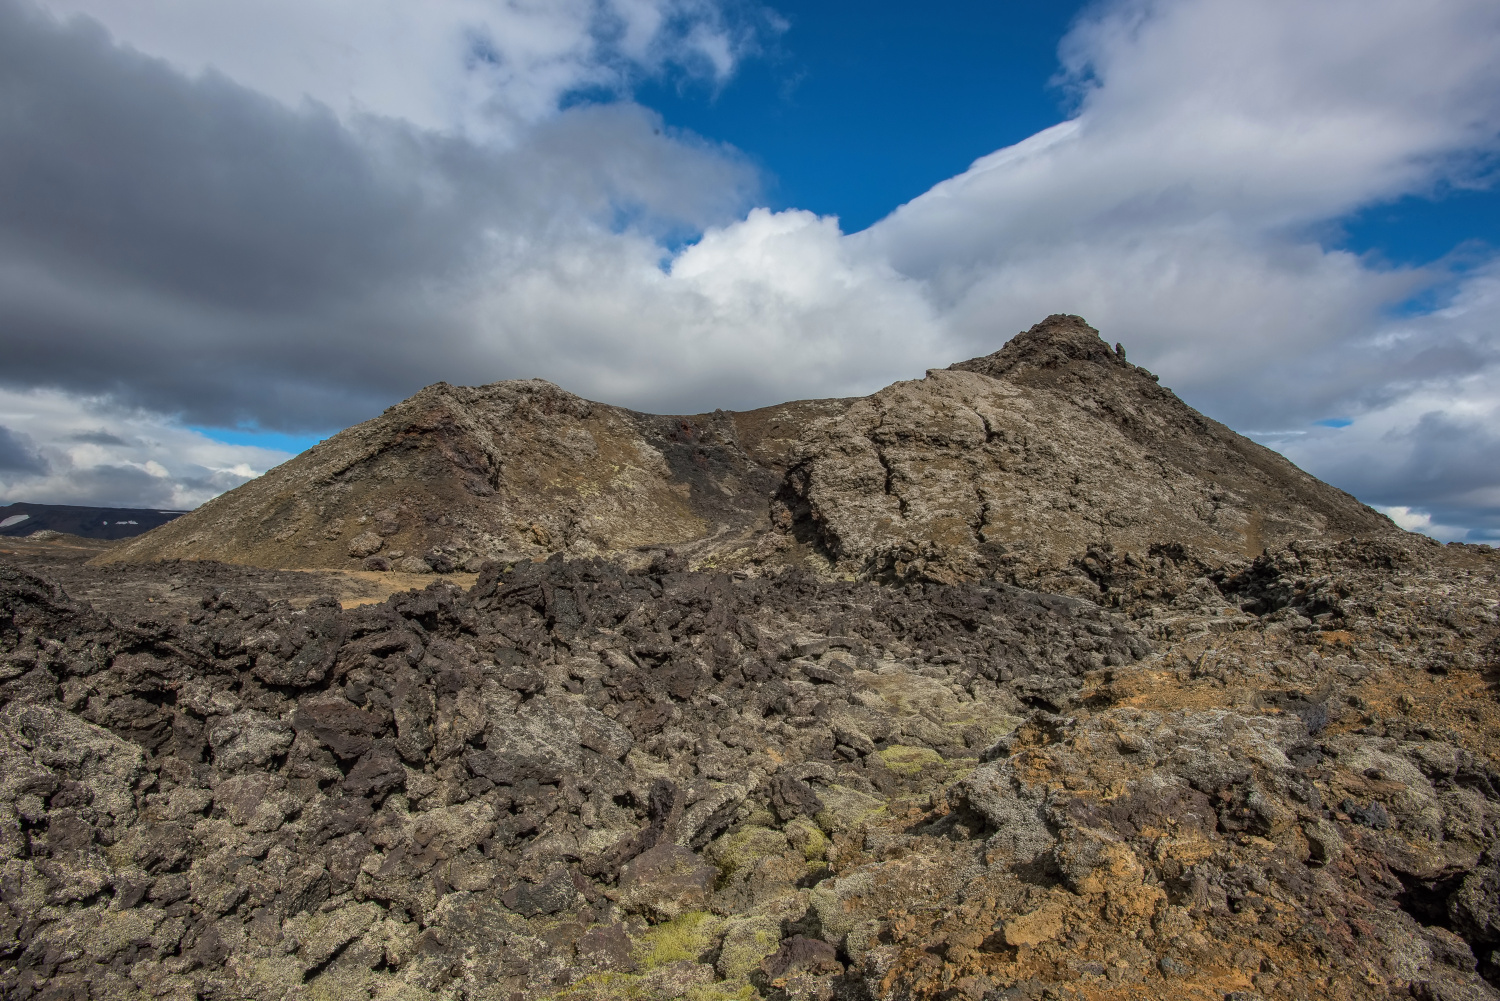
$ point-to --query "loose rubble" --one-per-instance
(1189, 777)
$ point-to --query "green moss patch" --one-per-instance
(908, 761)
(845, 809)
(685, 937)
(805, 836)
(669, 966)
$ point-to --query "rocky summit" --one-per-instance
(1013, 464)
(1019, 681)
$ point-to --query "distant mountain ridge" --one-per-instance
(23, 518)
(1016, 463)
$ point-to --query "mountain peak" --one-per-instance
(1058, 341)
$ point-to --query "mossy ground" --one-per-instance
(687, 936)
(909, 761)
(805, 836)
(742, 849)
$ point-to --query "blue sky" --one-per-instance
(277, 440)
(858, 107)
(315, 207)
(1420, 229)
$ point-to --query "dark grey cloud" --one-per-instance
(1439, 465)
(97, 438)
(194, 247)
(125, 486)
(18, 454)
(1445, 459)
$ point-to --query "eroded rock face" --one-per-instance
(1275, 777)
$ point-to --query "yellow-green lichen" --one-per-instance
(605, 987)
(744, 848)
(668, 958)
(761, 818)
(845, 809)
(634, 987)
(805, 836)
(269, 976)
(341, 984)
(390, 989)
(737, 990)
(908, 761)
(747, 941)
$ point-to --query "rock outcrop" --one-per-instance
(1021, 460)
(1007, 466)
(456, 475)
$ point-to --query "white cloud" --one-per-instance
(1424, 417)
(1180, 209)
(1213, 137)
(486, 68)
(776, 306)
(1420, 521)
(94, 452)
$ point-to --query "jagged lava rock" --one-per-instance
(579, 780)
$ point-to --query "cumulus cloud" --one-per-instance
(1418, 521)
(195, 247)
(776, 306)
(1422, 437)
(294, 222)
(1180, 207)
(58, 448)
(483, 68)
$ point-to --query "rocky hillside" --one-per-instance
(456, 475)
(1268, 778)
(1011, 465)
(1019, 681)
